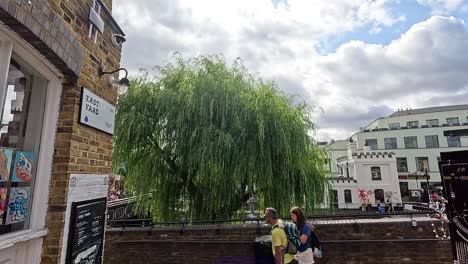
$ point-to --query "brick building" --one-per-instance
(50, 50)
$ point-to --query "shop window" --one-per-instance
(379, 196)
(390, 143)
(432, 122)
(412, 124)
(372, 143)
(23, 107)
(422, 164)
(347, 196)
(453, 142)
(402, 164)
(432, 141)
(411, 142)
(376, 174)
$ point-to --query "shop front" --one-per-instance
(51, 163)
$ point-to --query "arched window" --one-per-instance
(347, 196)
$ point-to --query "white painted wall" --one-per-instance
(82, 187)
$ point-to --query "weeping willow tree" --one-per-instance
(202, 137)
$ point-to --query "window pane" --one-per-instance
(432, 122)
(422, 164)
(453, 142)
(412, 124)
(432, 141)
(411, 142)
(372, 143)
(21, 125)
(394, 126)
(347, 196)
(402, 165)
(376, 175)
(390, 143)
(452, 121)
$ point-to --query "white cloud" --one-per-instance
(354, 85)
(426, 66)
(442, 6)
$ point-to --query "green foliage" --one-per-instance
(201, 137)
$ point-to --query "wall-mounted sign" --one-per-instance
(95, 20)
(96, 112)
(86, 235)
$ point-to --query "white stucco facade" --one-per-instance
(417, 139)
(364, 175)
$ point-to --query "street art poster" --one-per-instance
(23, 167)
(3, 197)
(6, 156)
(17, 205)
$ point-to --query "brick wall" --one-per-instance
(78, 149)
(390, 243)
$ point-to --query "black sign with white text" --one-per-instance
(86, 235)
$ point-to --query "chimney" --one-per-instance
(366, 149)
(351, 146)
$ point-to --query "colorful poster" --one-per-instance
(17, 205)
(6, 156)
(3, 196)
(23, 167)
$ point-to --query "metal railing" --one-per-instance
(119, 215)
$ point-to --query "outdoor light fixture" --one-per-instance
(121, 85)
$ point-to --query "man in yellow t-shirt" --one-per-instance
(279, 241)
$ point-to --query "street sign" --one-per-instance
(96, 112)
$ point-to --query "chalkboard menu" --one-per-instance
(86, 235)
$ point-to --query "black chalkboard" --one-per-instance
(86, 234)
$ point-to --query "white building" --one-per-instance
(416, 136)
(365, 176)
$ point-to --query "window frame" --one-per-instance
(372, 173)
(437, 140)
(418, 168)
(43, 161)
(406, 163)
(376, 143)
(392, 138)
(394, 128)
(409, 124)
(406, 145)
(428, 122)
(454, 123)
(453, 146)
(347, 193)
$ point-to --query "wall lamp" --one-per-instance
(121, 85)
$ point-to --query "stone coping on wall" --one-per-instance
(263, 228)
(47, 32)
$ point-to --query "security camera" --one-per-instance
(117, 39)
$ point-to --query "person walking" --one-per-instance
(279, 241)
(305, 254)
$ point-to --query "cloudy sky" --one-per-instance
(355, 59)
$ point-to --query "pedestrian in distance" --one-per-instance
(279, 241)
(305, 254)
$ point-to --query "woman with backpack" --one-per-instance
(305, 254)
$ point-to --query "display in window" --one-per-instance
(24, 163)
(3, 197)
(17, 205)
(6, 156)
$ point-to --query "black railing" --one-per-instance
(117, 218)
